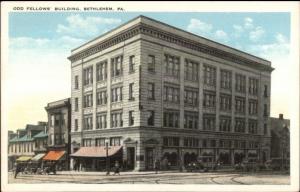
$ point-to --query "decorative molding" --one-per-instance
(151, 31)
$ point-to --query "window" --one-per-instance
(209, 122)
(224, 143)
(52, 120)
(76, 125)
(76, 104)
(87, 142)
(240, 83)
(116, 94)
(131, 91)
(102, 71)
(57, 120)
(117, 66)
(102, 97)
(191, 69)
(252, 126)
(191, 142)
(240, 105)
(88, 123)
(209, 99)
(225, 79)
(252, 107)
(151, 63)
(131, 63)
(265, 110)
(100, 142)
(171, 119)
(225, 124)
(191, 120)
(151, 92)
(116, 119)
(172, 66)
(131, 118)
(115, 141)
(88, 100)
(225, 102)
(171, 94)
(191, 97)
(204, 143)
(266, 91)
(76, 82)
(101, 121)
(213, 143)
(88, 75)
(253, 86)
(171, 141)
(150, 119)
(239, 125)
(265, 129)
(209, 75)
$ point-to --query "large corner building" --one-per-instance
(159, 92)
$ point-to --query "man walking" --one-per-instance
(18, 169)
(156, 166)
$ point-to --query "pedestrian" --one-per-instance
(117, 168)
(18, 169)
(156, 166)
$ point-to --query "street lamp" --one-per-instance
(107, 159)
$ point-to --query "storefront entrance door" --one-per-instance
(149, 159)
(130, 157)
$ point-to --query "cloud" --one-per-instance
(256, 34)
(81, 27)
(221, 35)
(198, 26)
(248, 23)
(238, 30)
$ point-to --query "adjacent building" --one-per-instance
(280, 137)
(151, 91)
(59, 125)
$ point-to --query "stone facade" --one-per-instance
(169, 123)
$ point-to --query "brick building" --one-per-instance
(163, 93)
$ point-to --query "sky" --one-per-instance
(38, 71)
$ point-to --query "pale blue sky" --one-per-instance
(38, 71)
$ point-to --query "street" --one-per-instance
(231, 178)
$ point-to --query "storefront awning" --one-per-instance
(54, 155)
(99, 151)
(24, 158)
(38, 157)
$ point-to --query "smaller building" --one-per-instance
(59, 117)
(26, 142)
(280, 137)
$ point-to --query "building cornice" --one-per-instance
(157, 33)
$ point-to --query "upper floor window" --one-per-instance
(225, 124)
(102, 71)
(171, 141)
(266, 110)
(101, 97)
(150, 118)
(76, 104)
(225, 102)
(151, 63)
(88, 75)
(171, 119)
(131, 63)
(209, 99)
(240, 83)
(252, 107)
(151, 92)
(116, 94)
(239, 125)
(172, 64)
(116, 119)
(191, 120)
(131, 118)
(76, 82)
(225, 79)
(101, 121)
(100, 141)
(209, 75)
(266, 91)
(240, 104)
(87, 142)
(191, 69)
(191, 142)
(253, 86)
(117, 66)
(115, 141)
(76, 125)
(191, 97)
(252, 126)
(171, 94)
(209, 122)
(88, 100)
(88, 122)
(265, 128)
(131, 91)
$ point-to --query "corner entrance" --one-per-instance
(130, 158)
(149, 158)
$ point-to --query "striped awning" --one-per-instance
(24, 158)
(54, 155)
(38, 157)
(99, 151)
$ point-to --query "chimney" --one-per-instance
(281, 116)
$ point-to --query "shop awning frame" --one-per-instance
(96, 152)
(38, 157)
(54, 155)
(24, 158)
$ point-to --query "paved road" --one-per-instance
(152, 178)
